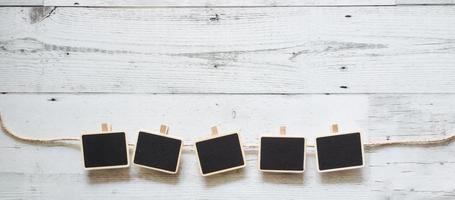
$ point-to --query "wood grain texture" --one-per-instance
(215, 3)
(247, 65)
(218, 3)
(406, 49)
(424, 2)
(55, 172)
(242, 3)
(22, 2)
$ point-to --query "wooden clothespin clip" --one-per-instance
(282, 130)
(214, 130)
(334, 129)
(106, 127)
(164, 129)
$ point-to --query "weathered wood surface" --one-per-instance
(217, 3)
(221, 62)
(21, 2)
(403, 49)
(55, 172)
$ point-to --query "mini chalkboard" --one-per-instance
(158, 152)
(282, 154)
(339, 152)
(104, 150)
(220, 154)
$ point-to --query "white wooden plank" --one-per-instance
(21, 2)
(214, 3)
(382, 116)
(35, 172)
(217, 3)
(424, 2)
(222, 50)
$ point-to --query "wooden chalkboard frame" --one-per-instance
(282, 171)
(153, 168)
(342, 168)
(224, 170)
(107, 167)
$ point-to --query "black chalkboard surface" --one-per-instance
(282, 154)
(157, 152)
(220, 154)
(338, 152)
(105, 150)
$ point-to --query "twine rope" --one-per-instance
(434, 141)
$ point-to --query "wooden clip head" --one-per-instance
(334, 129)
(282, 130)
(214, 130)
(164, 129)
(106, 127)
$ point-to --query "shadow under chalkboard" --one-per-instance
(225, 178)
(352, 176)
(283, 178)
(108, 175)
(157, 176)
